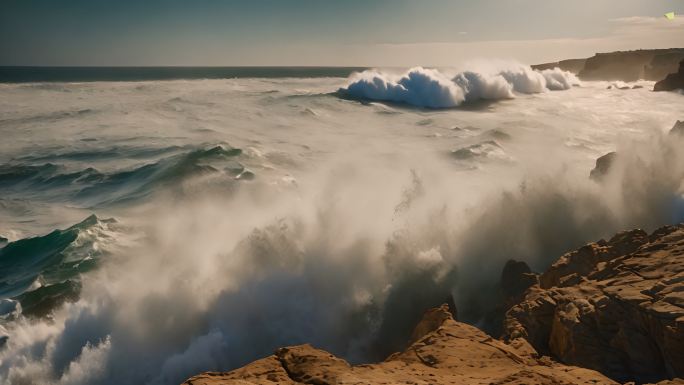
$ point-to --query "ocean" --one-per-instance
(161, 222)
(94, 74)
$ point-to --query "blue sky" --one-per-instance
(323, 32)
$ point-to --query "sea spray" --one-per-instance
(431, 88)
(221, 283)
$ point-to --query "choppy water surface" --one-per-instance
(203, 223)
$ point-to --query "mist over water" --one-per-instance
(250, 214)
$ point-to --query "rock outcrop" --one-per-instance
(678, 129)
(629, 66)
(603, 166)
(673, 81)
(444, 352)
(609, 312)
(614, 306)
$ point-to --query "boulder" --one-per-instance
(614, 306)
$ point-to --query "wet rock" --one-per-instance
(603, 165)
(673, 81)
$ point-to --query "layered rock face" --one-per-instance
(614, 306)
(673, 81)
(632, 65)
(444, 352)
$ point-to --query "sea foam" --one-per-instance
(430, 88)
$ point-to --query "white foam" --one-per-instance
(430, 88)
(419, 87)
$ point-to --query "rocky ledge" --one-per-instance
(609, 312)
(444, 352)
(673, 81)
(614, 306)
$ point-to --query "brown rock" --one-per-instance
(615, 306)
(445, 352)
(673, 81)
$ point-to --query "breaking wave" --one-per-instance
(89, 187)
(431, 88)
(348, 269)
(38, 274)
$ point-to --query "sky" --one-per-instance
(326, 32)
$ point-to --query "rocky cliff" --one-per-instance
(628, 66)
(444, 352)
(614, 306)
(572, 65)
(673, 81)
(610, 311)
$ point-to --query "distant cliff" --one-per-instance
(647, 64)
(572, 65)
(673, 81)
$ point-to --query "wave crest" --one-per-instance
(431, 88)
(418, 87)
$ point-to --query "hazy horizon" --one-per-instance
(326, 33)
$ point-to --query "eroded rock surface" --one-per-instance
(445, 352)
(615, 306)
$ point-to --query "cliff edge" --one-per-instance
(445, 352)
(609, 312)
(614, 306)
(673, 81)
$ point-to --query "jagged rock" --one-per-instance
(673, 81)
(446, 352)
(603, 165)
(516, 277)
(432, 320)
(615, 306)
(678, 129)
(663, 64)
